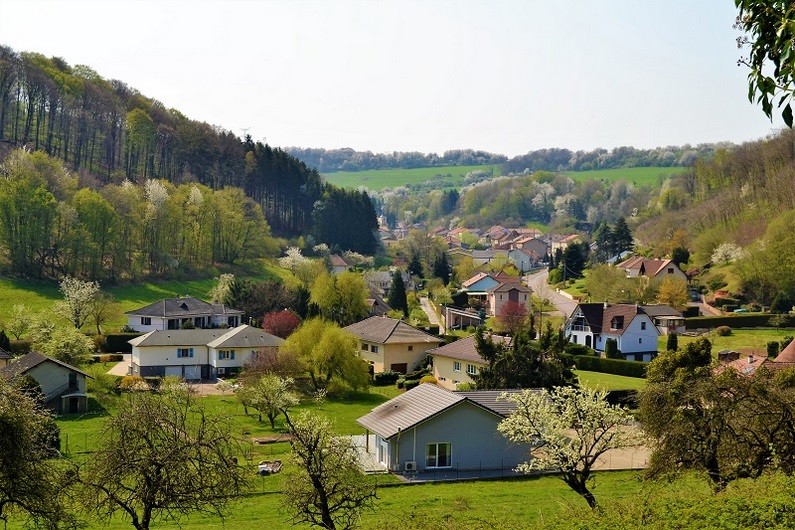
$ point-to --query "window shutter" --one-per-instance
(190, 352)
(179, 352)
(232, 354)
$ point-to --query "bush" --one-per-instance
(400, 382)
(737, 321)
(672, 343)
(723, 302)
(408, 385)
(21, 347)
(611, 349)
(723, 331)
(428, 379)
(577, 349)
(415, 376)
(133, 383)
(606, 366)
(385, 378)
(772, 349)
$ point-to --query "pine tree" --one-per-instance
(441, 268)
(397, 294)
(415, 266)
(622, 237)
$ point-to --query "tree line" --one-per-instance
(347, 159)
(108, 130)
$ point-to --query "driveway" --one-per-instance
(433, 318)
(538, 283)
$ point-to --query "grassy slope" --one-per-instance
(740, 338)
(378, 179)
(40, 295)
(641, 176)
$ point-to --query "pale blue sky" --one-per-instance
(504, 76)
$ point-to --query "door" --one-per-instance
(399, 367)
(174, 370)
(74, 405)
(193, 372)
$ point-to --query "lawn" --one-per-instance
(39, 296)
(740, 338)
(378, 179)
(609, 381)
(641, 176)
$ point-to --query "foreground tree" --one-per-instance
(326, 489)
(568, 429)
(162, 457)
(513, 317)
(29, 483)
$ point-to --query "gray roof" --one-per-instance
(465, 349)
(385, 330)
(409, 409)
(5, 355)
(30, 361)
(660, 310)
(491, 399)
(178, 337)
(186, 306)
(246, 337)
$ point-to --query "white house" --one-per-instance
(175, 313)
(63, 385)
(630, 326)
(655, 269)
(195, 354)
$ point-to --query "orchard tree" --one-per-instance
(19, 323)
(325, 489)
(162, 457)
(568, 429)
(270, 395)
(78, 299)
(65, 344)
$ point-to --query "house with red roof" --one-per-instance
(654, 269)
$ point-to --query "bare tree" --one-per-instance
(162, 457)
(327, 488)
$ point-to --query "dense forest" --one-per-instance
(347, 159)
(109, 133)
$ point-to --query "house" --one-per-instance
(562, 242)
(456, 363)
(338, 265)
(377, 306)
(176, 313)
(381, 281)
(63, 385)
(429, 428)
(5, 357)
(630, 326)
(480, 283)
(666, 318)
(654, 269)
(391, 344)
(523, 259)
(535, 246)
(484, 257)
(195, 354)
(507, 291)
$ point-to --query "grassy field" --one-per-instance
(641, 176)
(756, 338)
(39, 296)
(378, 179)
(609, 381)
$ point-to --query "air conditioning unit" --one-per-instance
(221, 371)
(410, 465)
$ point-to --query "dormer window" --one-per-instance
(184, 306)
(617, 323)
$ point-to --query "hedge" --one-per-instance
(736, 321)
(606, 366)
(20, 347)
(117, 342)
(386, 378)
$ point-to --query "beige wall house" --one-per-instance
(655, 269)
(195, 354)
(391, 344)
(457, 363)
(512, 291)
(63, 385)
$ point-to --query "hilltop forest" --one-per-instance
(110, 134)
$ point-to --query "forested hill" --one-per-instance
(554, 159)
(108, 130)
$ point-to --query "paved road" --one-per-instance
(538, 283)
(432, 316)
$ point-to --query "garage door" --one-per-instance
(174, 370)
(193, 373)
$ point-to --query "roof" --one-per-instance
(246, 337)
(5, 355)
(660, 310)
(418, 405)
(465, 349)
(28, 362)
(385, 330)
(183, 307)
(646, 266)
(337, 261)
(516, 283)
(599, 316)
(787, 355)
(178, 337)
(475, 279)
(493, 399)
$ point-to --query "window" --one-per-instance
(456, 366)
(670, 270)
(173, 323)
(411, 348)
(640, 340)
(226, 354)
(231, 322)
(643, 325)
(184, 352)
(574, 339)
(373, 348)
(471, 369)
(438, 455)
(146, 321)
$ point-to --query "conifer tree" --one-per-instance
(397, 294)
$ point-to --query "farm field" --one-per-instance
(641, 176)
(378, 179)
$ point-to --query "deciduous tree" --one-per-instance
(269, 394)
(280, 323)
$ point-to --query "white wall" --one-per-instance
(167, 356)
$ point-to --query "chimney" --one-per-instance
(750, 358)
(605, 305)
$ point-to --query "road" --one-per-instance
(538, 283)
(432, 316)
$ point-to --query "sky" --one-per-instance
(431, 75)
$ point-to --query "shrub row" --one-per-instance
(107, 358)
(386, 378)
(20, 347)
(739, 321)
(606, 366)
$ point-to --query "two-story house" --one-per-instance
(628, 324)
(391, 344)
(176, 313)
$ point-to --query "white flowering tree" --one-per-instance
(78, 299)
(568, 429)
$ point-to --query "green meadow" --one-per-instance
(640, 176)
(378, 179)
